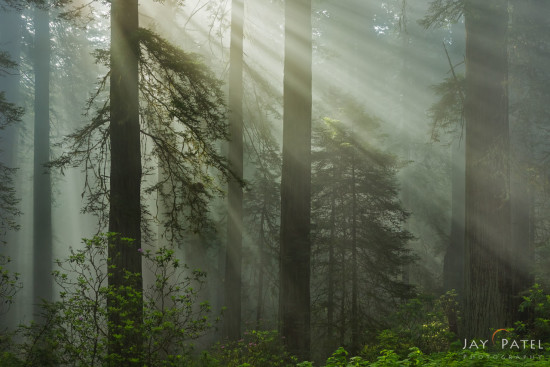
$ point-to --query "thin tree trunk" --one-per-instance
(261, 268)
(294, 298)
(331, 263)
(42, 191)
(125, 179)
(354, 280)
(232, 322)
(343, 324)
(488, 262)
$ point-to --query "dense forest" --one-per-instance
(274, 183)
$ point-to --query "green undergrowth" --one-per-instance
(388, 358)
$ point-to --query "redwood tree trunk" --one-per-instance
(294, 298)
(125, 175)
(42, 191)
(528, 21)
(488, 261)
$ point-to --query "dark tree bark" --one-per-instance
(529, 17)
(125, 174)
(42, 191)
(294, 298)
(235, 193)
(489, 267)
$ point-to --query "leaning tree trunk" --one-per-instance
(232, 320)
(125, 182)
(488, 276)
(294, 297)
(42, 190)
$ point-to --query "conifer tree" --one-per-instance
(359, 232)
(167, 100)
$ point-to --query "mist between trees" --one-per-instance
(267, 183)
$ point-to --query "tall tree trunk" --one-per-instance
(488, 261)
(125, 179)
(331, 264)
(453, 265)
(261, 266)
(354, 279)
(235, 193)
(529, 16)
(404, 119)
(343, 313)
(294, 298)
(42, 191)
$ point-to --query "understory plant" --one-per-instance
(257, 348)
(73, 331)
(422, 322)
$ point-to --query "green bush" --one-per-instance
(536, 306)
(415, 357)
(255, 349)
(74, 330)
(422, 323)
(9, 285)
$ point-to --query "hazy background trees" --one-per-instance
(428, 154)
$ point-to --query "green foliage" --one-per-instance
(184, 112)
(442, 12)
(414, 357)
(422, 323)
(9, 284)
(182, 117)
(447, 114)
(357, 218)
(74, 331)
(9, 114)
(536, 305)
(257, 349)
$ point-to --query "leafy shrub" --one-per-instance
(74, 331)
(421, 322)
(415, 357)
(9, 285)
(255, 349)
(536, 305)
